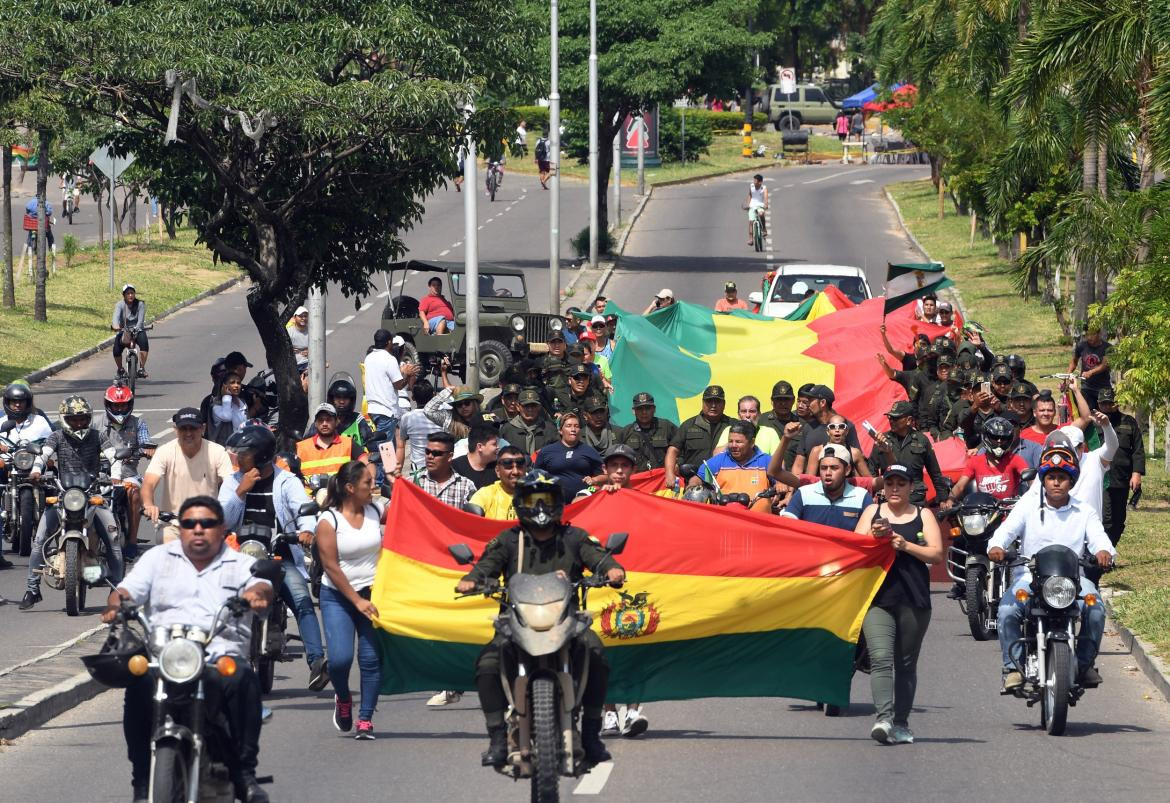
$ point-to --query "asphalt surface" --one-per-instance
(972, 744)
(85, 221)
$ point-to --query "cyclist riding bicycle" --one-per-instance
(130, 314)
(757, 204)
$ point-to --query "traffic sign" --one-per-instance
(787, 80)
(111, 166)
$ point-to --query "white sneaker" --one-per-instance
(901, 735)
(634, 724)
(881, 732)
(442, 698)
(609, 724)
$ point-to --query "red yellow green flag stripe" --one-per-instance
(718, 603)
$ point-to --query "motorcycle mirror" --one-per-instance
(269, 570)
(616, 543)
(474, 510)
(1028, 474)
(769, 493)
(686, 471)
(462, 554)
(308, 509)
(8, 426)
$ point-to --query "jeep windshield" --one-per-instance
(793, 288)
(503, 285)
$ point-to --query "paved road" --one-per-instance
(514, 229)
(972, 745)
(85, 221)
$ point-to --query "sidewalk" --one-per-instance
(36, 690)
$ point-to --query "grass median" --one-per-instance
(80, 302)
(1029, 328)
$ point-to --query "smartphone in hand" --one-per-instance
(881, 525)
(986, 388)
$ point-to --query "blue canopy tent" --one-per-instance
(864, 96)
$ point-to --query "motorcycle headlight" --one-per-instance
(74, 500)
(541, 617)
(1058, 592)
(24, 460)
(517, 323)
(974, 523)
(181, 660)
(254, 549)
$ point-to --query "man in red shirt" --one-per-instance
(997, 468)
(730, 300)
(437, 315)
(1044, 411)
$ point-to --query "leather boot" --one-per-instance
(595, 751)
(497, 753)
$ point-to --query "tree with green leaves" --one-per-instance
(301, 137)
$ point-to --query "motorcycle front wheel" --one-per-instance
(1054, 702)
(74, 584)
(546, 775)
(171, 772)
(978, 609)
(26, 521)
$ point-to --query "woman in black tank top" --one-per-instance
(897, 620)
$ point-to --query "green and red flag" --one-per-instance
(718, 602)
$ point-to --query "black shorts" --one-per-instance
(544, 165)
(143, 343)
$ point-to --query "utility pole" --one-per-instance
(617, 180)
(316, 348)
(554, 200)
(471, 261)
(113, 211)
(594, 179)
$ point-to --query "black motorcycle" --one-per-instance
(983, 583)
(541, 682)
(1045, 654)
(190, 750)
(23, 500)
(80, 553)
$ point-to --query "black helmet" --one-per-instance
(1017, 364)
(18, 391)
(256, 441)
(110, 667)
(999, 436)
(344, 390)
(538, 500)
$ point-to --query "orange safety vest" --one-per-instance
(324, 461)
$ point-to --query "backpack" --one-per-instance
(542, 150)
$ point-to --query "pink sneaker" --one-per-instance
(365, 730)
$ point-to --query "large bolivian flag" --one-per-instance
(718, 603)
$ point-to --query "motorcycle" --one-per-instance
(23, 501)
(541, 683)
(978, 517)
(1045, 655)
(78, 554)
(190, 748)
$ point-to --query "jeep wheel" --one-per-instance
(788, 122)
(410, 354)
(494, 360)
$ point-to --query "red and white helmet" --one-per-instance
(119, 402)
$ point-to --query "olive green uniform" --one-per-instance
(530, 438)
(770, 419)
(916, 453)
(650, 443)
(695, 438)
(565, 401)
(1129, 459)
(600, 439)
(934, 405)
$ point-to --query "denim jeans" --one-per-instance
(433, 324)
(342, 623)
(893, 637)
(295, 593)
(1011, 623)
(389, 425)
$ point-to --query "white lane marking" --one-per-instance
(509, 209)
(162, 437)
(366, 306)
(862, 181)
(384, 294)
(594, 782)
(345, 320)
(826, 178)
(786, 186)
(481, 228)
(328, 332)
(444, 252)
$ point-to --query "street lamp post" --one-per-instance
(471, 260)
(316, 348)
(554, 126)
(594, 179)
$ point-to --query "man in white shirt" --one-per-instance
(1089, 488)
(1056, 519)
(383, 379)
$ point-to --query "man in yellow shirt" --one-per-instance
(767, 438)
(496, 499)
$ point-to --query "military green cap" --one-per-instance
(782, 390)
(900, 409)
(1000, 372)
(946, 359)
(643, 399)
(620, 450)
(510, 389)
(595, 403)
(1021, 390)
(1106, 396)
(579, 369)
(465, 393)
(714, 392)
(529, 397)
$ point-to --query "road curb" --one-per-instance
(59, 366)
(953, 291)
(1153, 667)
(39, 707)
(608, 270)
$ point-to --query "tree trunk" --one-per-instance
(278, 353)
(132, 205)
(9, 285)
(168, 218)
(1085, 267)
(1103, 168)
(40, 307)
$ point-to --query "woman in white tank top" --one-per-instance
(349, 541)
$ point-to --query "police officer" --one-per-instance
(649, 436)
(905, 446)
(596, 430)
(695, 438)
(936, 398)
(507, 403)
(532, 428)
(1127, 468)
(549, 546)
(912, 381)
(571, 399)
(1018, 367)
(781, 412)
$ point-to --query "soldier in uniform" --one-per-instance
(781, 412)
(573, 397)
(1128, 466)
(506, 405)
(649, 436)
(695, 438)
(597, 432)
(936, 398)
(532, 429)
(1019, 367)
(913, 382)
(905, 446)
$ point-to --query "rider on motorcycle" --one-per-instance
(262, 493)
(77, 448)
(126, 430)
(185, 582)
(550, 546)
(1057, 519)
(29, 423)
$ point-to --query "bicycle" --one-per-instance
(130, 341)
(757, 227)
(1064, 413)
(492, 182)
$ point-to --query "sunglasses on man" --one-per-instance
(206, 524)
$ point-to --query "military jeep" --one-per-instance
(507, 330)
